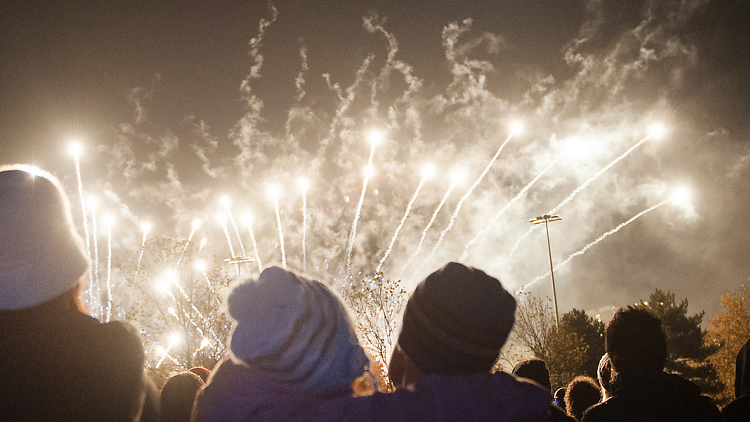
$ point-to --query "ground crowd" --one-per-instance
(293, 352)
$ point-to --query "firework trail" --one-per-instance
(353, 232)
(83, 209)
(281, 232)
(95, 279)
(497, 216)
(236, 231)
(576, 191)
(304, 230)
(427, 228)
(146, 228)
(255, 247)
(109, 271)
(464, 198)
(203, 243)
(194, 227)
(401, 224)
(599, 239)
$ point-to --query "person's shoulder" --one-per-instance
(119, 341)
(737, 410)
(602, 411)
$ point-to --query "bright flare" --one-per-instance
(656, 131)
(681, 196)
(516, 128)
(375, 137)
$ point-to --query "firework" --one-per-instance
(515, 129)
(303, 185)
(274, 192)
(109, 221)
(497, 216)
(599, 239)
(374, 138)
(225, 202)
(194, 226)
(427, 173)
(75, 149)
(248, 222)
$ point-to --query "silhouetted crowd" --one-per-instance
(293, 352)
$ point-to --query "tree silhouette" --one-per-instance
(575, 348)
(687, 349)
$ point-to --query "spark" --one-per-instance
(681, 196)
(304, 184)
(248, 222)
(109, 221)
(599, 239)
(465, 197)
(375, 138)
(275, 194)
(497, 216)
(93, 206)
(202, 244)
(225, 202)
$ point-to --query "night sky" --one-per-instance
(179, 103)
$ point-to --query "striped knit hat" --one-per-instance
(456, 321)
(294, 331)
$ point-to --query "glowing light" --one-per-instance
(516, 128)
(681, 196)
(163, 287)
(160, 351)
(200, 265)
(247, 218)
(576, 148)
(221, 218)
(203, 242)
(109, 220)
(457, 177)
(225, 201)
(146, 227)
(375, 137)
(369, 171)
(172, 312)
(196, 223)
(656, 131)
(171, 276)
(175, 339)
(274, 191)
(303, 184)
(428, 170)
(93, 203)
(75, 149)
(205, 343)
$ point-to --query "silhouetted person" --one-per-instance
(560, 397)
(294, 355)
(739, 408)
(641, 390)
(58, 363)
(582, 393)
(536, 370)
(455, 322)
(604, 375)
(178, 395)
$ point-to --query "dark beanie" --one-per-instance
(456, 321)
(535, 370)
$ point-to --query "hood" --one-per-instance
(742, 372)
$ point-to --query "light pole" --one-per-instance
(546, 218)
(238, 260)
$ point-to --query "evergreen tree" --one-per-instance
(576, 347)
(687, 350)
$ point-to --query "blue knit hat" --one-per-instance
(294, 331)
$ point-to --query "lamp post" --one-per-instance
(546, 218)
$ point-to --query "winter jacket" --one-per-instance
(58, 364)
(235, 394)
(739, 409)
(659, 397)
